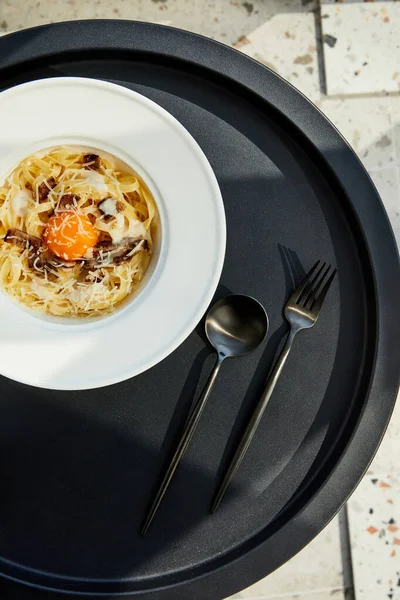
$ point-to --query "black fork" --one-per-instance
(302, 311)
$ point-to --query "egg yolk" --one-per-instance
(69, 235)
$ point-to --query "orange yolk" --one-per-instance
(69, 235)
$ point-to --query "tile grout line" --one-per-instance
(361, 95)
(385, 167)
(290, 595)
(381, 475)
(346, 552)
(320, 50)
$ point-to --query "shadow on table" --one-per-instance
(79, 484)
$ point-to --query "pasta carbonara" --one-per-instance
(76, 232)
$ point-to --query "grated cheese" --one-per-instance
(20, 203)
(95, 180)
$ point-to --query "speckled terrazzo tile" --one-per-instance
(224, 20)
(287, 44)
(374, 518)
(352, 1)
(316, 567)
(387, 183)
(387, 457)
(361, 47)
(374, 595)
(366, 123)
(317, 595)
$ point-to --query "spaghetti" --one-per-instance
(76, 232)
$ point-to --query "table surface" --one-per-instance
(344, 114)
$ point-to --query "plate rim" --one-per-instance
(241, 571)
(189, 324)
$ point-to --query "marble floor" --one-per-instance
(345, 56)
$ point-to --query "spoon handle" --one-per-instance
(187, 435)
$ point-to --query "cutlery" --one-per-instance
(235, 326)
(302, 311)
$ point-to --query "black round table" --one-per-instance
(78, 469)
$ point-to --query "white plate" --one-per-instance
(101, 115)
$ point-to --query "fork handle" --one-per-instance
(255, 419)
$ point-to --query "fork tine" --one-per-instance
(302, 285)
(314, 290)
(307, 284)
(318, 302)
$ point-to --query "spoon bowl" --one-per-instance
(236, 325)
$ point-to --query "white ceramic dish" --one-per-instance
(62, 354)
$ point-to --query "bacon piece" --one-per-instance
(91, 162)
(45, 188)
(106, 253)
